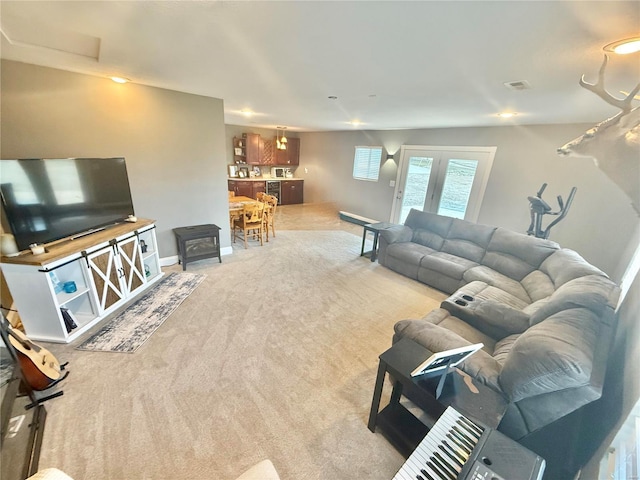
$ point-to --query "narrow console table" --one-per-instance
(400, 426)
(105, 270)
(375, 229)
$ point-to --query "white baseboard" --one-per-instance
(173, 259)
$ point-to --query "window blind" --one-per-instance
(366, 163)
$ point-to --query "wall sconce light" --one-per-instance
(389, 156)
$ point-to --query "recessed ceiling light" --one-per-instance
(507, 114)
(120, 79)
(332, 97)
(622, 47)
(246, 112)
(355, 123)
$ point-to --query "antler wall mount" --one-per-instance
(615, 143)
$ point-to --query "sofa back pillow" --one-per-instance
(468, 240)
(565, 265)
(429, 229)
(554, 355)
(516, 254)
(594, 292)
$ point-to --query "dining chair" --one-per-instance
(260, 196)
(271, 202)
(231, 194)
(251, 220)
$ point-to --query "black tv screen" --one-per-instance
(49, 199)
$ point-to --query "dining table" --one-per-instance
(236, 204)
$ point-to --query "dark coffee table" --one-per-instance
(399, 425)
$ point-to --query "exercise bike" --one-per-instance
(538, 208)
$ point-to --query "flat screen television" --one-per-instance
(49, 199)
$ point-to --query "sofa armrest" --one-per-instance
(397, 234)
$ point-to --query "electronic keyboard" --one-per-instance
(457, 448)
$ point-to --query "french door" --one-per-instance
(444, 180)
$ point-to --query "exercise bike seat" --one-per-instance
(539, 205)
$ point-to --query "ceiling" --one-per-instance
(391, 65)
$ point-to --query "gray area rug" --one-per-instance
(131, 328)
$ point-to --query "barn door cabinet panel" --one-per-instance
(106, 270)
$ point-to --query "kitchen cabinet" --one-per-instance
(248, 149)
(291, 191)
(109, 268)
(290, 156)
(246, 188)
(254, 148)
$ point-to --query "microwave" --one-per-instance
(278, 172)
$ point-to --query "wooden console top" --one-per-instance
(66, 247)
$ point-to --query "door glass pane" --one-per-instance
(457, 187)
(415, 189)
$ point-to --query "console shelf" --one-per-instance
(109, 268)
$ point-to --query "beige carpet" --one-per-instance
(273, 356)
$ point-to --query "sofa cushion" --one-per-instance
(467, 240)
(503, 347)
(565, 265)
(594, 292)
(405, 257)
(447, 264)
(515, 254)
(451, 324)
(498, 280)
(439, 335)
(429, 229)
(553, 355)
(538, 285)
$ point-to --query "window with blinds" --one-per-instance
(366, 163)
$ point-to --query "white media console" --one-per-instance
(109, 268)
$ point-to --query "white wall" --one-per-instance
(173, 142)
(600, 224)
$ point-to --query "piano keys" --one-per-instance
(457, 448)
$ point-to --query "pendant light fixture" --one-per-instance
(281, 142)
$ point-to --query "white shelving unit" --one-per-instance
(109, 269)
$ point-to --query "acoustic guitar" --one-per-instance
(40, 368)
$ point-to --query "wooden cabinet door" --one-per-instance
(244, 188)
(106, 277)
(257, 187)
(297, 191)
(293, 151)
(133, 276)
(290, 156)
(254, 148)
(291, 191)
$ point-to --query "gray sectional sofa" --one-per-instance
(546, 316)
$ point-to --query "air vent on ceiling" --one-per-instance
(518, 85)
